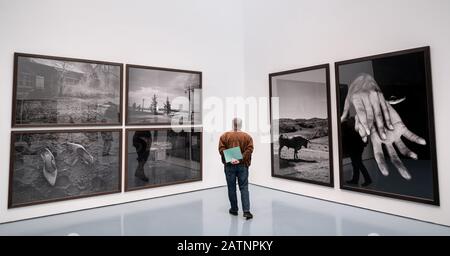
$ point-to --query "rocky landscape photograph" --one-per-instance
(301, 144)
(302, 149)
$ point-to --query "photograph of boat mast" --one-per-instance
(163, 96)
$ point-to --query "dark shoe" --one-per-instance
(352, 182)
(141, 175)
(366, 183)
(235, 213)
(248, 215)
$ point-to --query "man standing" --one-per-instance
(237, 170)
(107, 137)
(142, 141)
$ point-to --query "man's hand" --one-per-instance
(393, 137)
(365, 97)
(234, 161)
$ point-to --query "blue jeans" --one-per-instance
(239, 172)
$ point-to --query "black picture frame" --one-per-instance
(11, 190)
(46, 67)
(128, 131)
(329, 124)
(434, 200)
(128, 118)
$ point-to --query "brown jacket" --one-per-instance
(237, 139)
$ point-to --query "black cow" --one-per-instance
(296, 143)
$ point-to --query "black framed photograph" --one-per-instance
(386, 129)
(301, 147)
(57, 91)
(158, 157)
(56, 165)
(163, 96)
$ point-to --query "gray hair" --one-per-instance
(237, 123)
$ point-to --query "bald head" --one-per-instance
(237, 124)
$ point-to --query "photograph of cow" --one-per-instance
(397, 158)
(295, 142)
(300, 125)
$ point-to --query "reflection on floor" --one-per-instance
(206, 213)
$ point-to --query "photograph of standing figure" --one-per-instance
(387, 144)
(162, 156)
(301, 125)
(49, 166)
(163, 96)
(57, 91)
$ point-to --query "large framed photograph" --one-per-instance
(386, 131)
(162, 96)
(57, 91)
(162, 156)
(301, 147)
(48, 166)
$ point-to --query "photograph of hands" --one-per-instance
(386, 126)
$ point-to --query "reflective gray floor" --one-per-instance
(206, 213)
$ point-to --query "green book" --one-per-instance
(232, 153)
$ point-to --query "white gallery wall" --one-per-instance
(201, 35)
(236, 44)
(288, 34)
